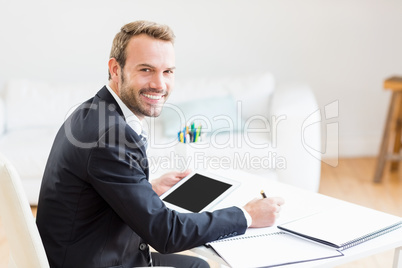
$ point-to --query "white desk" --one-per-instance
(297, 204)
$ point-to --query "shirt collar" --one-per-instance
(131, 119)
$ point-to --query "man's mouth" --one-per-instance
(153, 97)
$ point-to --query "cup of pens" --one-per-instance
(188, 137)
(190, 134)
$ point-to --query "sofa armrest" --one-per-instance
(292, 109)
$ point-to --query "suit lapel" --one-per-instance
(105, 95)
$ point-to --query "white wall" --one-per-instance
(344, 49)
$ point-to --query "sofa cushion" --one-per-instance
(28, 150)
(213, 114)
(246, 96)
(39, 104)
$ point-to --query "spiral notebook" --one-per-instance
(269, 250)
(344, 226)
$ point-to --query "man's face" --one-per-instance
(148, 75)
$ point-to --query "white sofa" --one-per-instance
(267, 135)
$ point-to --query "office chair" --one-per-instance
(26, 248)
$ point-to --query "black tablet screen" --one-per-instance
(197, 193)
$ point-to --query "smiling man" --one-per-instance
(147, 78)
(97, 207)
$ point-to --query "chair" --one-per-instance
(25, 243)
(392, 134)
(26, 248)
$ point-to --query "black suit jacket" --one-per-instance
(96, 207)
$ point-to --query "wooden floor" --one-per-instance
(351, 180)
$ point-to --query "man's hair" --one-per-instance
(152, 29)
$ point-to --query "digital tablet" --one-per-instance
(198, 192)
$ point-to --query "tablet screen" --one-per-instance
(197, 193)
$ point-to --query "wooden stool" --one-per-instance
(392, 129)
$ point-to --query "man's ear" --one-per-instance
(114, 70)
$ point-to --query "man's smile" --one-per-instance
(153, 97)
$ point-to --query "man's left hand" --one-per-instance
(166, 181)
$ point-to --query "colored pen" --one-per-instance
(194, 135)
(197, 134)
(263, 194)
(181, 137)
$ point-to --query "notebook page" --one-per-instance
(342, 224)
(270, 250)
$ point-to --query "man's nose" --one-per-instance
(158, 81)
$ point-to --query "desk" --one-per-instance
(299, 203)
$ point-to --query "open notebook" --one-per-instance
(269, 249)
(344, 226)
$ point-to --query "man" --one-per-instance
(96, 206)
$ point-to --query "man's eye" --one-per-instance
(145, 70)
(169, 71)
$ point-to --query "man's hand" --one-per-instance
(166, 181)
(264, 211)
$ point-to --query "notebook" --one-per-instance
(269, 250)
(344, 226)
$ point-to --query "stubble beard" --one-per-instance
(133, 101)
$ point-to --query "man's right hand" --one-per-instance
(264, 211)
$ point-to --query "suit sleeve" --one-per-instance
(117, 171)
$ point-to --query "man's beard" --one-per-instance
(133, 101)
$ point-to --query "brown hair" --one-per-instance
(152, 29)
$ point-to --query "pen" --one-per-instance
(263, 194)
(194, 135)
(197, 134)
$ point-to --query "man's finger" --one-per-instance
(278, 200)
(184, 173)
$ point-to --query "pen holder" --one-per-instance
(185, 156)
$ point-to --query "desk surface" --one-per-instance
(298, 203)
